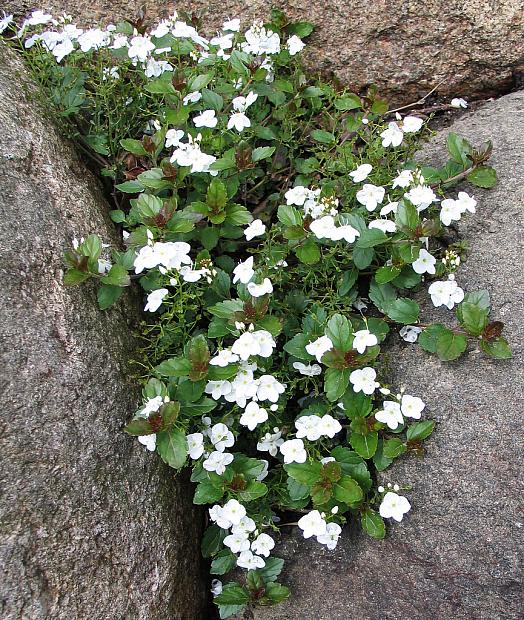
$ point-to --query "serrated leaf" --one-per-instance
(364, 445)
(484, 176)
(450, 345)
(172, 447)
(419, 431)
(305, 473)
(262, 152)
(336, 382)
(403, 310)
(373, 524)
(348, 491)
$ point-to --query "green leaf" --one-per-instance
(406, 217)
(364, 445)
(209, 237)
(403, 310)
(161, 86)
(393, 448)
(458, 148)
(262, 152)
(238, 215)
(301, 29)
(297, 347)
(216, 197)
(451, 345)
(108, 295)
(212, 100)
(340, 331)
(348, 491)
(484, 176)
(237, 63)
(212, 540)
(117, 276)
(373, 524)
(276, 592)
(174, 367)
(139, 427)
(348, 102)
(336, 382)
(289, 216)
(207, 493)
(323, 136)
(381, 294)
(133, 146)
(232, 594)
(363, 257)
(172, 447)
(370, 238)
(272, 569)
(429, 337)
(356, 404)
(305, 473)
(418, 431)
(386, 274)
(75, 276)
(254, 490)
(497, 348)
(473, 318)
(223, 562)
(200, 81)
(309, 253)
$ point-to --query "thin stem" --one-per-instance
(419, 102)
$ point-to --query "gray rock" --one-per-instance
(458, 554)
(473, 48)
(92, 526)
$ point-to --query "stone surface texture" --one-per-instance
(91, 526)
(459, 553)
(473, 48)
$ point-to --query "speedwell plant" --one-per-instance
(279, 229)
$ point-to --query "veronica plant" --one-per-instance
(279, 230)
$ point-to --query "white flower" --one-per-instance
(363, 339)
(216, 587)
(458, 102)
(308, 426)
(234, 511)
(409, 333)
(195, 445)
(217, 462)
(241, 104)
(412, 124)
(319, 346)
(216, 514)
(293, 451)
(221, 437)
(149, 441)
(323, 227)
(271, 442)
(206, 119)
(425, 262)
(139, 48)
(224, 42)
(232, 25)
(244, 526)
(217, 389)
(243, 272)
(154, 299)
(450, 211)
(295, 45)
(363, 380)
(391, 207)
(255, 229)
(331, 536)
(247, 560)
(263, 544)
(394, 506)
(190, 155)
(371, 196)
(173, 137)
(392, 136)
(329, 426)
(467, 202)
(269, 388)
(404, 179)
(5, 21)
(258, 290)
(238, 121)
(361, 173)
(421, 196)
(297, 195)
(193, 97)
(412, 406)
(309, 370)
(237, 542)
(386, 226)
(224, 358)
(445, 293)
(312, 524)
(63, 49)
(263, 474)
(253, 416)
(390, 414)
(155, 68)
(261, 41)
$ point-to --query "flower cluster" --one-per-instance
(278, 229)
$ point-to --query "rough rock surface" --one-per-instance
(92, 526)
(474, 48)
(459, 553)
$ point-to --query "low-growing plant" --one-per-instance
(279, 227)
